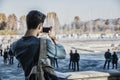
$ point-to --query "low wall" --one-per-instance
(93, 75)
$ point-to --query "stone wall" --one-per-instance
(94, 75)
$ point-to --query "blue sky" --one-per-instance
(65, 9)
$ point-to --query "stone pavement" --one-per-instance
(10, 72)
(87, 62)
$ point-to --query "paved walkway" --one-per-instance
(10, 72)
(87, 62)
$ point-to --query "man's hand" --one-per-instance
(52, 35)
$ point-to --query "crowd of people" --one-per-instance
(8, 56)
(110, 58)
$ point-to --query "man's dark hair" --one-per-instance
(34, 18)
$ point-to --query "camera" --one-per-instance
(46, 29)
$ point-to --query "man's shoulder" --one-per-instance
(26, 40)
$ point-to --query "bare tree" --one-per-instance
(3, 20)
(12, 22)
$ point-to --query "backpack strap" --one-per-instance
(42, 56)
(42, 52)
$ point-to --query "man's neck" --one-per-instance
(31, 33)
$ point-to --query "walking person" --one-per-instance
(76, 60)
(71, 63)
(107, 56)
(114, 60)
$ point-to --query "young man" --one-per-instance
(76, 60)
(114, 60)
(27, 48)
(107, 56)
(71, 63)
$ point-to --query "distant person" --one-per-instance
(56, 62)
(107, 56)
(1, 49)
(5, 56)
(11, 57)
(53, 62)
(71, 63)
(114, 60)
(76, 60)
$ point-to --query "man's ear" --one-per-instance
(40, 27)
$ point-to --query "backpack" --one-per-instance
(42, 71)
